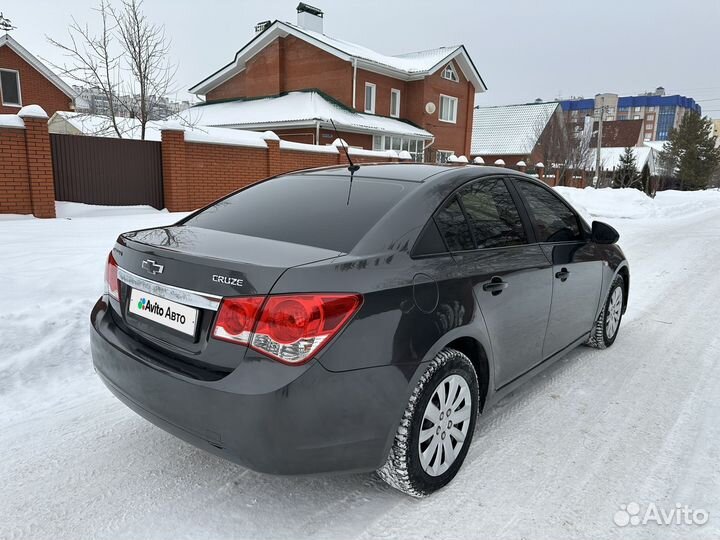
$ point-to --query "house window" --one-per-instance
(394, 103)
(441, 156)
(10, 87)
(636, 117)
(370, 98)
(416, 147)
(448, 108)
(450, 74)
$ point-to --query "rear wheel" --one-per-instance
(608, 322)
(437, 427)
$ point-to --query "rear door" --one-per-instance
(509, 274)
(577, 267)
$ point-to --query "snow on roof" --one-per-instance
(410, 66)
(101, 126)
(23, 53)
(509, 129)
(11, 121)
(294, 109)
(414, 62)
(656, 145)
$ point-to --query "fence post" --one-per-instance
(175, 189)
(39, 161)
(274, 164)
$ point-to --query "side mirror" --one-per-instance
(602, 233)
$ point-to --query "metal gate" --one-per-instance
(102, 170)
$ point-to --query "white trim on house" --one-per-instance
(37, 64)
(19, 89)
(453, 104)
(400, 67)
(370, 108)
(395, 113)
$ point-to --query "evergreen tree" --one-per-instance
(690, 152)
(626, 174)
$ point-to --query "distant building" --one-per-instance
(25, 80)
(716, 131)
(514, 133)
(659, 113)
(92, 100)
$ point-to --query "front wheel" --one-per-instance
(608, 322)
(436, 429)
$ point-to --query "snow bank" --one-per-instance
(631, 203)
(71, 210)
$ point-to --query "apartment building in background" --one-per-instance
(295, 80)
(659, 113)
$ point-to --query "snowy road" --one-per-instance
(639, 422)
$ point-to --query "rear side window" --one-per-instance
(306, 209)
(451, 222)
(554, 221)
(493, 216)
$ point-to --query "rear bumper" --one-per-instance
(271, 418)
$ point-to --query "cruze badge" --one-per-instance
(151, 266)
(227, 280)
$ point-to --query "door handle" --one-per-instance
(495, 286)
(563, 274)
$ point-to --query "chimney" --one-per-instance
(261, 26)
(309, 17)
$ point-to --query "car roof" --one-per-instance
(406, 172)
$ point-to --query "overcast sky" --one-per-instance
(524, 49)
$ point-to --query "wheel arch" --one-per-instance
(474, 350)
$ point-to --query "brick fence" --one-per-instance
(199, 165)
(26, 180)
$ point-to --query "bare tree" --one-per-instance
(561, 145)
(147, 51)
(127, 61)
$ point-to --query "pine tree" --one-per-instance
(690, 152)
(626, 174)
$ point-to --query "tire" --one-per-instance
(416, 474)
(608, 322)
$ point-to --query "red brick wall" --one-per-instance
(14, 180)
(289, 64)
(195, 174)
(26, 179)
(34, 87)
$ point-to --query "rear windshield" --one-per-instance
(306, 209)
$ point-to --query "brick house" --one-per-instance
(293, 79)
(24, 80)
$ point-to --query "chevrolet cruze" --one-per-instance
(353, 320)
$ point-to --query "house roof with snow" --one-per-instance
(295, 109)
(75, 123)
(410, 66)
(7, 41)
(509, 129)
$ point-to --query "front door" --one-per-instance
(577, 268)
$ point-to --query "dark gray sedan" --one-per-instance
(354, 320)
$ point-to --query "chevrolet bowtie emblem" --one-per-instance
(152, 267)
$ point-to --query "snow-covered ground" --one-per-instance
(636, 423)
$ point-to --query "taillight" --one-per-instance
(236, 319)
(289, 328)
(111, 278)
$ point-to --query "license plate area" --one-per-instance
(167, 313)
